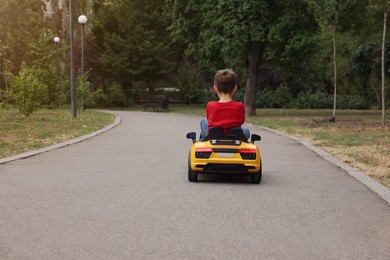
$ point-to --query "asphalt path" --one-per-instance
(125, 195)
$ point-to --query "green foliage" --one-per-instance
(318, 100)
(282, 98)
(334, 11)
(28, 91)
(322, 100)
(47, 76)
(4, 95)
(366, 59)
(91, 98)
(112, 96)
(83, 91)
(278, 98)
(141, 43)
(190, 83)
(381, 5)
(217, 33)
(352, 102)
(131, 42)
(292, 43)
(367, 65)
(19, 32)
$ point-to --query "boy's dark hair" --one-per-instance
(225, 80)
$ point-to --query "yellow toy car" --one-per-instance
(224, 153)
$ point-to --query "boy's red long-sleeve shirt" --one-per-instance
(225, 115)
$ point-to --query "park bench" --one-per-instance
(157, 103)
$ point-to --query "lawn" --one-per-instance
(45, 127)
(356, 138)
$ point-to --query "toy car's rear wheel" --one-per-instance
(256, 176)
(192, 175)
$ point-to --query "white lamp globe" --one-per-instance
(83, 19)
(56, 39)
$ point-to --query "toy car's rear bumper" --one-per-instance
(225, 168)
(225, 160)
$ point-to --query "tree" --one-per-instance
(131, 42)
(223, 34)
(18, 33)
(383, 6)
(366, 63)
(292, 49)
(332, 11)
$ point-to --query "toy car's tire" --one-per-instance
(192, 175)
(256, 176)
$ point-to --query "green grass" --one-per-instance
(356, 138)
(45, 127)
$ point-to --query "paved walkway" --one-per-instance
(124, 194)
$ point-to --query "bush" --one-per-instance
(27, 91)
(85, 96)
(112, 96)
(352, 102)
(322, 100)
(279, 98)
(54, 94)
(4, 95)
(318, 100)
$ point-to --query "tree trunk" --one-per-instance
(383, 65)
(333, 119)
(250, 88)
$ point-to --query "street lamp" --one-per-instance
(72, 74)
(56, 41)
(82, 20)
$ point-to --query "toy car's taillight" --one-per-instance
(248, 154)
(203, 152)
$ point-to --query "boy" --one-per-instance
(225, 113)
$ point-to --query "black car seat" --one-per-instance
(234, 133)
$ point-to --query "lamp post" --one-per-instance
(82, 20)
(56, 41)
(72, 73)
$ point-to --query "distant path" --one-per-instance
(124, 195)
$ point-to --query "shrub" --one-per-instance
(28, 91)
(112, 96)
(278, 98)
(351, 102)
(318, 100)
(48, 77)
(86, 97)
(322, 100)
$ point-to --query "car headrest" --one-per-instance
(214, 133)
(234, 133)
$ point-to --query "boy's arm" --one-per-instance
(207, 111)
(243, 113)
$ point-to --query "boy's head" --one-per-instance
(225, 81)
